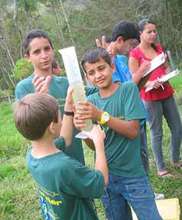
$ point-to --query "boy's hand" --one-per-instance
(110, 47)
(69, 105)
(96, 134)
(41, 83)
(101, 43)
(78, 123)
(86, 110)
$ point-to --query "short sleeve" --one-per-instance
(135, 54)
(60, 143)
(81, 181)
(21, 91)
(134, 108)
(159, 48)
(121, 72)
(23, 88)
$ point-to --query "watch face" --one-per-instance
(106, 117)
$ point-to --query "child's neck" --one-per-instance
(43, 147)
(110, 90)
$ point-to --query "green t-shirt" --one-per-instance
(123, 154)
(66, 187)
(58, 89)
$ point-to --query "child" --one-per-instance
(38, 49)
(66, 187)
(118, 109)
(125, 36)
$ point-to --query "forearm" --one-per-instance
(138, 71)
(67, 125)
(137, 76)
(67, 129)
(125, 128)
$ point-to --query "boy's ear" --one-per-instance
(120, 39)
(51, 128)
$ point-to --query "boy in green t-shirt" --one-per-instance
(38, 50)
(117, 107)
(66, 187)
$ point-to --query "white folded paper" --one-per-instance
(156, 62)
(165, 78)
(82, 135)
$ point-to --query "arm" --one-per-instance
(98, 136)
(138, 71)
(67, 123)
(129, 129)
(125, 128)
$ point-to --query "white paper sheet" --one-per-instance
(156, 62)
(82, 135)
(165, 78)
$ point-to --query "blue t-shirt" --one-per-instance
(122, 72)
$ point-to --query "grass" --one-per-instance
(18, 197)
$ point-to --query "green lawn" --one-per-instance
(18, 197)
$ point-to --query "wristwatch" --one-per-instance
(104, 118)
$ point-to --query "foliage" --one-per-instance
(78, 23)
(11, 141)
(22, 69)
